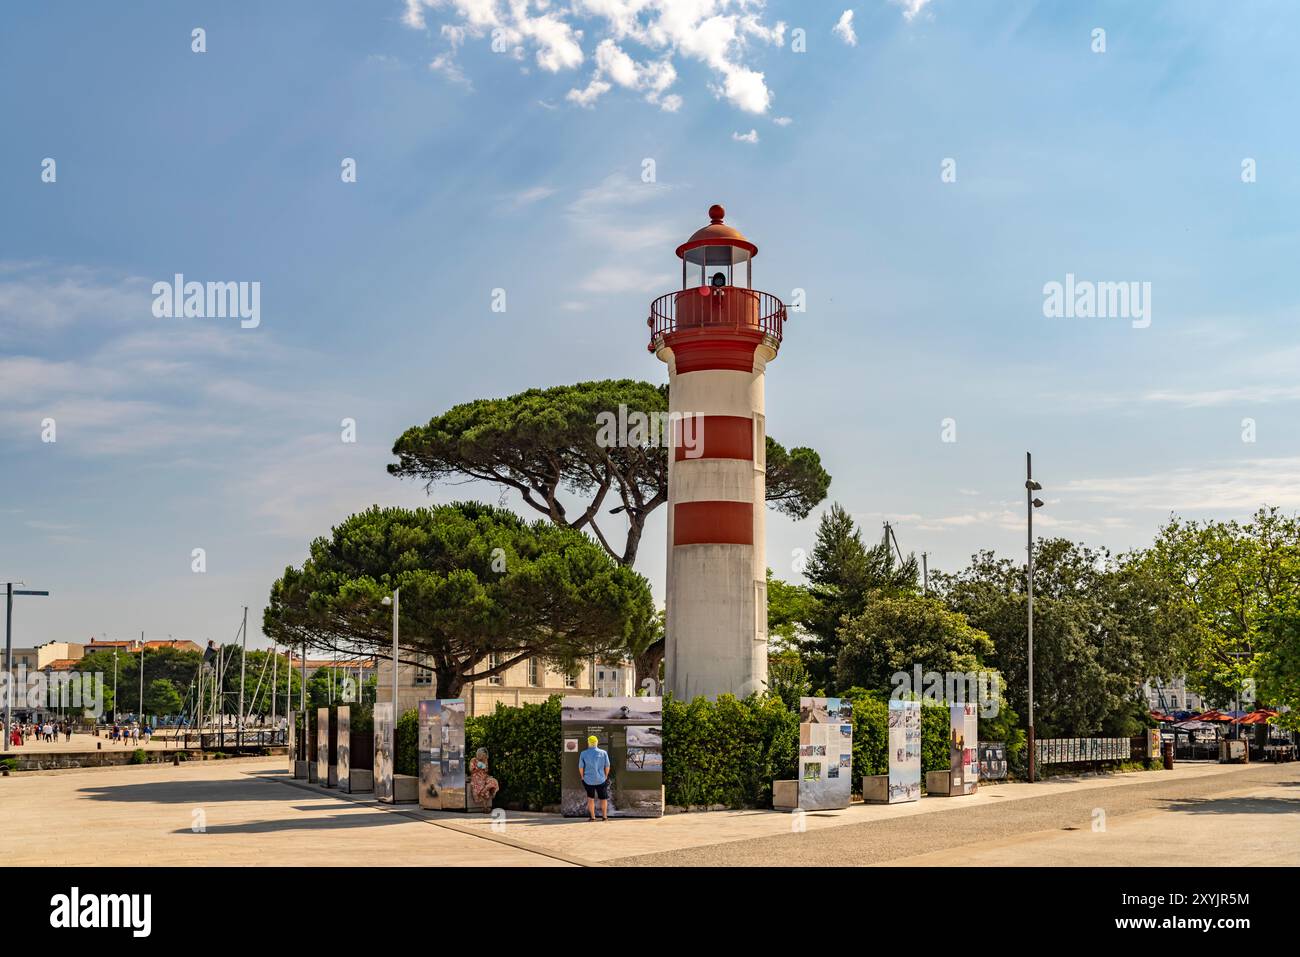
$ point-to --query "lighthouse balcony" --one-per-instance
(709, 310)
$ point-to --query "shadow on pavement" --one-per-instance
(1254, 805)
(331, 822)
(194, 791)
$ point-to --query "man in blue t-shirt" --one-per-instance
(593, 765)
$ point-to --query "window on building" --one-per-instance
(534, 672)
(570, 681)
(494, 660)
(423, 675)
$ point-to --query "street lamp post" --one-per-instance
(394, 601)
(10, 591)
(1031, 503)
(140, 717)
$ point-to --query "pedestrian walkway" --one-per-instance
(217, 813)
(634, 837)
(251, 812)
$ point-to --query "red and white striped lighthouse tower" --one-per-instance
(717, 335)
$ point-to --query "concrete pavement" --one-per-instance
(251, 812)
(216, 813)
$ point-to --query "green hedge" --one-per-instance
(871, 738)
(523, 751)
(725, 752)
(406, 744)
(728, 751)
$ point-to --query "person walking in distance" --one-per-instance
(593, 765)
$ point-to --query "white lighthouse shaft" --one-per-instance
(716, 625)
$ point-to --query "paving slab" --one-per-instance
(218, 813)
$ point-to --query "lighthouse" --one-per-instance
(717, 335)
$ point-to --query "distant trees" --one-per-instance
(161, 697)
(176, 666)
(1227, 579)
(844, 575)
(895, 633)
(1102, 627)
(1278, 670)
(1218, 602)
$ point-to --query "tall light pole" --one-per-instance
(115, 684)
(394, 600)
(10, 591)
(140, 715)
(243, 657)
(1031, 503)
(275, 676)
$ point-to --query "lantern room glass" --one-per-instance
(701, 265)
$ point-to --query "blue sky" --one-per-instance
(521, 169)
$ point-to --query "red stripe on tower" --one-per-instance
(713, 523)
(713, 437)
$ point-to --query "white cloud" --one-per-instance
(1239, 485)
(750, 137)
(782, 121)
(717, 33)
(910, 7)
(615, 67)
(445, 63)
(844, 28)
(611, 280)
(1255, 394)
(527, 197)
(603, 215)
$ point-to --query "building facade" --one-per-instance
(526, 682)
(1172, 695)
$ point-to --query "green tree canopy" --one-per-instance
(475, 580)
(1278, 672)
(1226, 577)
(176, 665)
(161, 697)
(788, 607)
(543, 443)
(843, 574)
(1102, 627)
(895, 633)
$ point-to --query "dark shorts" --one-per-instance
(600, 791)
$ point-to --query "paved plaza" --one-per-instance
(244, 812)
(102, 742)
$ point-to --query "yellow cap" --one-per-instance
(592, 740)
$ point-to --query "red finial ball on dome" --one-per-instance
(716, 212)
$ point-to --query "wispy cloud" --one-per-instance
(117, 380)
(1226, 486)
(844, 28)
(911, 8)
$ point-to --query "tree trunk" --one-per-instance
(647, 666)
(449, 683)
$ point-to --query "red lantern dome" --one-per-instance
(717, 300)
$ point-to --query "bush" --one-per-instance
(406, 744)
(871, 735)
(724, 752)
(728, 751)
(138, 756)
(523, 751)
